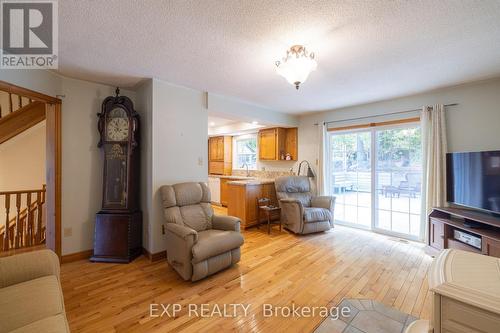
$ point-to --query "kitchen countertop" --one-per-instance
(254, 181)
(232, 177)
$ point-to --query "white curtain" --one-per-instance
(433, 126)
(321, 172)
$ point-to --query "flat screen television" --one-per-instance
(473, 180)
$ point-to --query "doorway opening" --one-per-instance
(30, 200)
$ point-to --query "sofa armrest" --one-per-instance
(326, 202)
(230, 223)
(28, 266)
(182, 231)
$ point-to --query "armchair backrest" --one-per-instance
(187, 204)
(294, 187)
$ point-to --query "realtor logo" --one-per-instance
(29, 34)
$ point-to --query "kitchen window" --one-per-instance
(245, 152)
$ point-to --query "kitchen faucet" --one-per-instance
(246, 165)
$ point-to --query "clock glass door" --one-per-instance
(115, 186)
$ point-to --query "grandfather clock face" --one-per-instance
(116, 145)
(117, 125)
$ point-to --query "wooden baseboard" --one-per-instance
(76, 256)
(89, 253)
(155, 256)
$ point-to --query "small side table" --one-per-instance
(271, 213)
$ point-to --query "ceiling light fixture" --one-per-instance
(212, 124)
(255, 122)
(297, 65)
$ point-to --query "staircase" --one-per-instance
(24, 213)
(17, 114)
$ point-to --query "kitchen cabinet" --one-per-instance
(220, 155)
(275, 143)
(217, 148)
(224, 191)
(242, 200)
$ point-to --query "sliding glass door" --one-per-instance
(350, 177)
(398, 174)
(376, 175)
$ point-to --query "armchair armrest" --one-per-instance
(180, 240)
(182, 231)
(28, 266)
(290, 200)
(326, 202)
(292, 214)
(229, 223)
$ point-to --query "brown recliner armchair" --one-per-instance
(199, 243)
(301, 212)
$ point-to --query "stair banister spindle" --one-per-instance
(6, 229)
(26, 228)
(18, 222)
(29, 235)
(39, 217)
(10, 102)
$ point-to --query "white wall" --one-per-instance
(42, 81)
(472, 125)
(232, 108)
(144, 107)
(179, 131)
(22, 160)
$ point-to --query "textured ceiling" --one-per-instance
(366, 50)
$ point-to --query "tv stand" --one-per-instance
(443, 221)
(473, 224)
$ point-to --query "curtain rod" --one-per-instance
(381, 115)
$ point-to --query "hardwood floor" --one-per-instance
(281, 269)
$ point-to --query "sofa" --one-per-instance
(198, 242)
(301, 211)
(31, 299)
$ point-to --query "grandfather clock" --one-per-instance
(118, 225)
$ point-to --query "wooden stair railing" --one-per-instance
(20, 120)
(18, 112)
(11, 102)
(27, 227)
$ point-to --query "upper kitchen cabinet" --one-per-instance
(276, 143)
(220, 155)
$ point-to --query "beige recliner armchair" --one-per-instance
(199, 243)
(301, 212)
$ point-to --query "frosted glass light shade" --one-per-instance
(296, 66)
